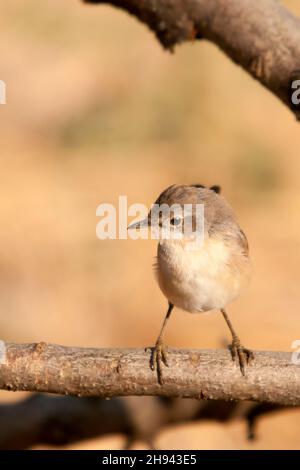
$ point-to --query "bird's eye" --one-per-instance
(176, 221)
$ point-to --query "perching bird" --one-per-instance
(203, 277)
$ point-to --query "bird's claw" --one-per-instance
(159, 357)
(243, 355)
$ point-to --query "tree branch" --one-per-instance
(47, 419)
(43, 419)
(260, 35)
(205, 374)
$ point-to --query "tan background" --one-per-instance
(95, 109)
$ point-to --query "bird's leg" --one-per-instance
(158, 353)
(237, 350)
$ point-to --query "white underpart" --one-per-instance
(202, 280)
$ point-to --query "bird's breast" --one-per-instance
(203, 279)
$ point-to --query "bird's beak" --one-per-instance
(140, 224)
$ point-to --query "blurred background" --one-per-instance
(96, 109)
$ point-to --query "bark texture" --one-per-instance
(200, 374)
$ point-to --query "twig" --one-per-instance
(201, 374)
(260, 35)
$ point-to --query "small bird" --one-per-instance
(204, 278)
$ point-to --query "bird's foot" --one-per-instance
(159, 357)
(243, 355)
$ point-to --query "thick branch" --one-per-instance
(205, 374)
(47, 419)
(260, 35)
